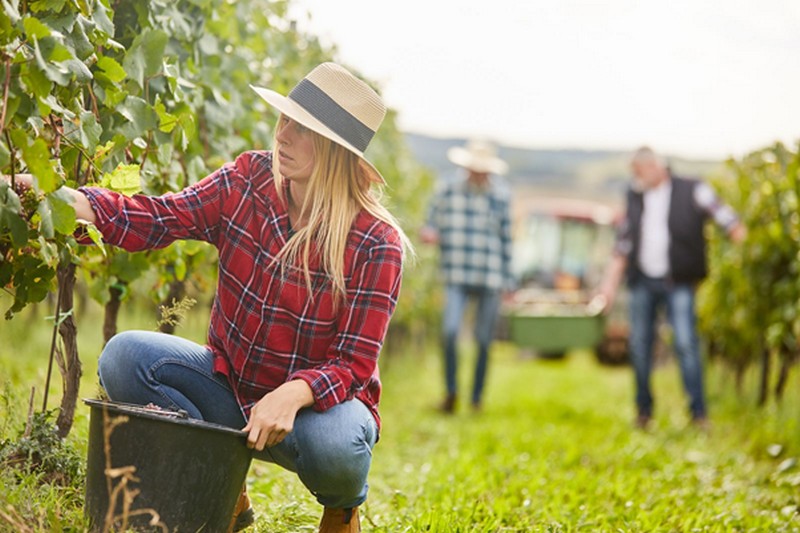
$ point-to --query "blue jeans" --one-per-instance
(646, 298)
(331, 451)
(488, 304)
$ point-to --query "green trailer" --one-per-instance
(551, 323)
(561, 248)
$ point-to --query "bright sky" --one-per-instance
(697, 78)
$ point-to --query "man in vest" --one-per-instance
(661, 250)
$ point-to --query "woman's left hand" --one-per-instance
(272, 418)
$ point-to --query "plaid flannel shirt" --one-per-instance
(265, 327)
(474, 227)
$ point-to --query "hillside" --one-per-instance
(590, 174)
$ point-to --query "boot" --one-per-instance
(448, 406)
(340, 521)
(243, 515)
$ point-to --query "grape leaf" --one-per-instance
(145, 55)
(125, 179)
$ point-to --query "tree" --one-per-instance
(749, 304)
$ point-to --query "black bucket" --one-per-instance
(185, 475)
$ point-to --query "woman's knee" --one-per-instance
(338, 469)
(120, 357)
(335, 458)
(113, 353)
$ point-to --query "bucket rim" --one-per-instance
(162, 416)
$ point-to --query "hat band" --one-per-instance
(331, 114)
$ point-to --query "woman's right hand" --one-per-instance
(272, 417)
(22, 182)
(83, 209)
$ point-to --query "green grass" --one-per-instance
(553, 450)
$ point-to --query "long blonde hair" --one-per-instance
(338, 190)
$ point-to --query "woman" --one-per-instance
(309, 274)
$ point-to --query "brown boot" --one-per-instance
(340, 521)
(448, 406)
(243, 515)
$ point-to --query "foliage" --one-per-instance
(750, 304)
(50, 128)
(39, 449)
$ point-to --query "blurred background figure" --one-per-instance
(469, 218)
(661, 250)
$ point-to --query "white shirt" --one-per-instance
(654, 243)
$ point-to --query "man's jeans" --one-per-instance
(488, 304)
(330, 451)
(646, 298)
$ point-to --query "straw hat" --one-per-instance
(334, 103)
(479, 156)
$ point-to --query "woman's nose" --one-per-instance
(283, 134)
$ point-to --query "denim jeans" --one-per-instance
(488, 304)
(646, 298)
(330, 451)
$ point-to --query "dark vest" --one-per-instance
(687, 243)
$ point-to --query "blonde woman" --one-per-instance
(309, 274)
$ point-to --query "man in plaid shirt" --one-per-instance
(470, 220)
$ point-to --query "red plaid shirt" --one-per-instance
(266, 328)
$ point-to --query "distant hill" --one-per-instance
(592, 174)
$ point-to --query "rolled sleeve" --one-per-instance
(142, 222)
